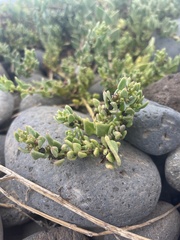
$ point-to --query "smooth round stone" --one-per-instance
(2, 71)
(59, 233)
(155, 130)
(172, 169)
(120, 197)
(171, 45)
(1, 230)
(2, 142)
(36, 76)
(12, 216)
(7, 106)
(167, 228)
(37, 100)
(165, 91)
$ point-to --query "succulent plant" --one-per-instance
(83, 39)
(97, 137)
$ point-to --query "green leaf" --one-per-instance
(101, 129)
(122, 84)
(50, 140)
(54, 151)
(40, 141)
(31, 131)
(99, 13)
(113, 146)
(36, 154)
(115, 35)
(76, 147)
(71, 155)
(59, 162)
(88, 127)
(82, 154)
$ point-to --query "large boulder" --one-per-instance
(121, 196)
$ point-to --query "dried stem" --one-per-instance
(90, 111)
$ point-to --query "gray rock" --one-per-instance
(165, 91)
(39, 55)
(172, 46)
(36, 76)
(172, 169)
(7, 106)
(37, 100)
(122, 196)
(168, 228)
(2, 142)
(59, 233)
(2, 71)
(1, 230)
(156, 129)
(96, 87)
(12, 216)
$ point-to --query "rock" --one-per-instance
(7, 106)
(35, 77)
(1, 230)
(59, 233)
(168, 228)
(12, 216)
(172, 46)
(133, 189)
(172, 169)
(155, 130)
(32, 227)
(40, 55)
(165, 91)
(96, 87)
(2, 71)
(2, 142)
(37, 100)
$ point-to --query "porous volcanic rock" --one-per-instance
(59, 233)
(165, 91)
(167, 228)
(121, 196)
(6, 106)
(172, 169)
(155, 130)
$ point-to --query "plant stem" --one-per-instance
(89, 109)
